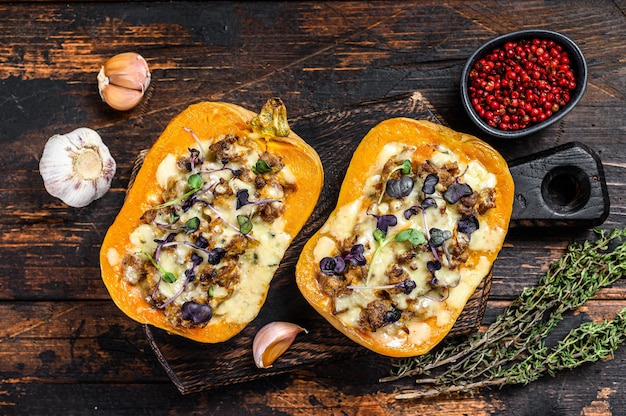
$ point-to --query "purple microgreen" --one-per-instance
(260, 167)
(409, 212)
(216, 255)
(429, 183)
(202, 242)
(170, 237)
(405, 167)
(383, 222)
(196, 312)
(242, 199)
(192, 225)
(411, 235)
(392, 316)
(406, 286)
(196, 158)
(438, 237)
(433, 265)
(245, 224)
(165, 275)
(468, 225)
(332, 265)
(356, 256)
(457, 191)
(428, 202)
(399, 188)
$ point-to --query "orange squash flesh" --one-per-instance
(424, 136)
(206, 120)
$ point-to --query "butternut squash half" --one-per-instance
(218, 200)
(421, 216)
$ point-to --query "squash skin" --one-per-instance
(206, 119)
(410, 132)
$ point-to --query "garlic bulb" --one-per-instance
(77, 167)
(272, 341)
(123, 80)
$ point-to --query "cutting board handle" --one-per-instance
(560, 187)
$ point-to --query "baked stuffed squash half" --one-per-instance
(218, 200)
(422, 213)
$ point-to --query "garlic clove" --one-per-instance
(272, 341)
(120, 98)
(77, 167)
(123, 80)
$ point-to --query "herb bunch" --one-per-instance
(513, 350)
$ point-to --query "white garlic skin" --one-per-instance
(272, 341)
(123, 80)
(77, 167)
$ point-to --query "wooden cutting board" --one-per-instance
(335, 135)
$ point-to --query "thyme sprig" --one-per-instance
(512, 350)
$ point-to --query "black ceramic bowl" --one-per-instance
(577, 64)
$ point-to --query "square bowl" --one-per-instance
(512, 69)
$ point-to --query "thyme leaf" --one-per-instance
(513, 350)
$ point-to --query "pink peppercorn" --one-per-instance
(526, 79)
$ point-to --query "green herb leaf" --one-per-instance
(245, 224)
(379, 235)
(411, 235)
(192, 225)
(195, 181)
(168, 277)
(513, 349)
(174, 217)
(406, 167)
(261, 166)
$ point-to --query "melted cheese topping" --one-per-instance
(184, 230)
(372, 297)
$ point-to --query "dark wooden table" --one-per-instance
(64, 346)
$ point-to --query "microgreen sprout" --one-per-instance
(383, 240)
(231, 225)
(398, 188)
(190, 275)
(192, 225)
(260, 167)
(195, 183)
(242, 199)
(383, 222)
(333, 265)
(165, 275)
(196, 312)
(429, 184)
(457, 191)
(356, 256)
(468, 225)
(337, 265)
(245, 224)
(214, 256)
(197, 156)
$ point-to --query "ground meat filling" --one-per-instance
(450, 251)
(191, 231)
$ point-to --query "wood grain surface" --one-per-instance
(64, 346)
